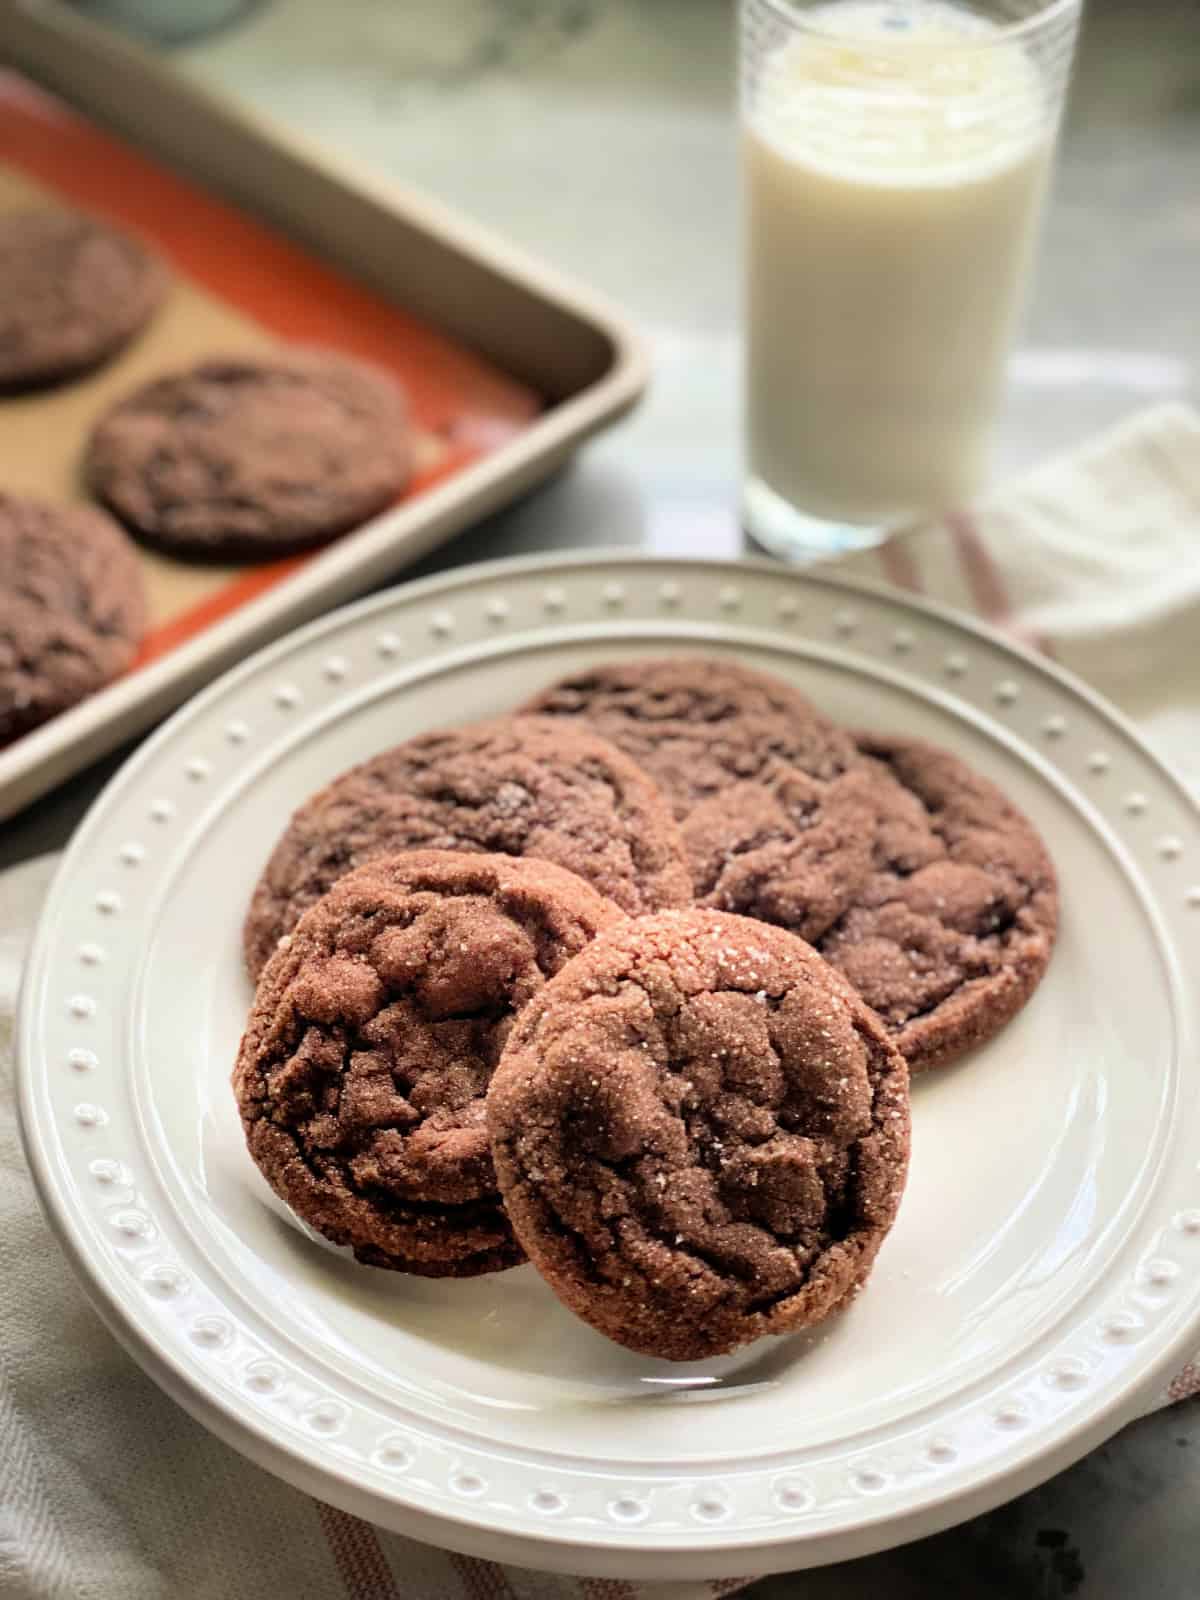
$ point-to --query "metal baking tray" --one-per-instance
(584, 363)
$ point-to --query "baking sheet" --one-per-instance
(237, 286)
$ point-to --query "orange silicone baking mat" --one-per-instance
(237, 286)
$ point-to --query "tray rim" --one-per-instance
(698, 1556)
(382, 546)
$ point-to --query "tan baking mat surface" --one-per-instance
(236, 286)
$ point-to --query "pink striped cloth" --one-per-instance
(108, 1490)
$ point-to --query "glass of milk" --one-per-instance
(895, 158)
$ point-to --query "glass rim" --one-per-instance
(1051, 13)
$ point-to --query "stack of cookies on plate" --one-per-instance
(630, 984)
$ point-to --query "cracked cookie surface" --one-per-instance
(953, 927)
(697, 723)
(795, 851)
(375, 1030)
(72, 608)
(73, 290)
(252, 457)
(701, 1134)
(522, 786)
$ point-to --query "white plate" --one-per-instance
(1045, 1269)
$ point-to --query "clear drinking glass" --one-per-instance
(895, 155)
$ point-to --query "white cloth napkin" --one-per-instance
(108, 1490)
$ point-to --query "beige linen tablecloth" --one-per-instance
(108, 1490)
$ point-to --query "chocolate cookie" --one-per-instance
(523, 786)
(362, 1073)
(700, 1133)
(796, 851)
(696, 724)
(73, 290)
(952, 929)
(72, 608)
(252, 457)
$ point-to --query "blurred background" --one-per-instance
(599, 135)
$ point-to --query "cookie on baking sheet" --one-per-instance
(520, 785)
(250, 457)
(363, 1069)
(951, 931)
(700, 1133)
(73, 290)
(699, 723)
(72, 608)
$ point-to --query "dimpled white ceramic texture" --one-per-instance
(1044, 1273)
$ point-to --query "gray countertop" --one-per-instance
(598, 134)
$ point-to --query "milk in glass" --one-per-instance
(891, 199)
